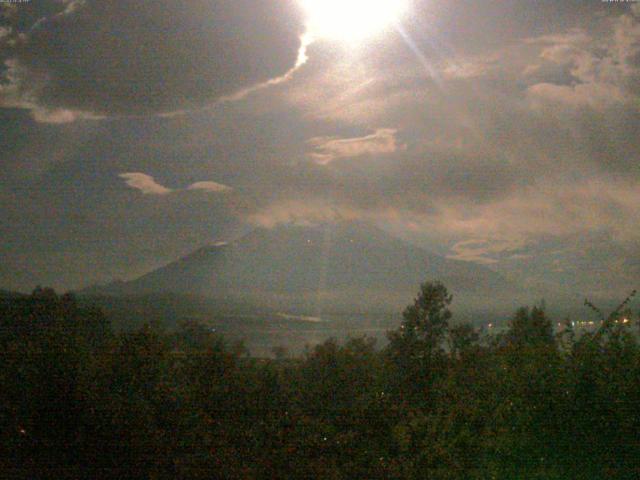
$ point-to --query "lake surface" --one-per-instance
(262, 333)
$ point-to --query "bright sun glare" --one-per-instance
(351, 20)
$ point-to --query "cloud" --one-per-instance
(145, 183)
(209, 187)
(486, 251)
(59, 115)
(489, 232)
(328, 149)
(593, 95)
(314, 211)
(604, 71)
(299, 212)
(560, 209)
(467, 68)
(148, 186)
(519, 123)
(123, 58)
(520, 256)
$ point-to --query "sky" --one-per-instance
(504, 133)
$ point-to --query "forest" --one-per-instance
(441, 400)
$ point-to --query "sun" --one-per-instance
(351, 20)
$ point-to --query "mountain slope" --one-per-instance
(340, 266)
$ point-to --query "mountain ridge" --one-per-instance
(328, 264)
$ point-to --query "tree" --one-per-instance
(47, 343)
(462, 339)
(426, 321)
(530, 328)
(415, 351)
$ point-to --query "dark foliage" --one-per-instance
(441, 401)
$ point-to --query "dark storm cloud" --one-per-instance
(126, 57)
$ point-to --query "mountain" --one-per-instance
(347, 266)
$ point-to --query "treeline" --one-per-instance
(440, 401)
